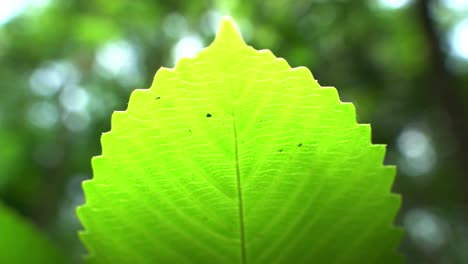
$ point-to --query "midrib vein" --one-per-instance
(239, 185)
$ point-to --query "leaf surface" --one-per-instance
(235, 157)
(21, 243)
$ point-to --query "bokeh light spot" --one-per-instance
(50, 78)
(455, 5)
(458, 39)
(76, 121)
(418, 154)
(394, 4)
(43, 114)
(174, 25)
(10, 9)
(186, 47)
(74, 98)
(426, 229)
(210, 22)
(119, 60)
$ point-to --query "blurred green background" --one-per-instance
(65, 65)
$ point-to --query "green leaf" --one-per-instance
(235, 157)
(21, 243)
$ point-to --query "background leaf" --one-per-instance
(234, 157)
(21, 243)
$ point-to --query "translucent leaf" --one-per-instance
(235, 157)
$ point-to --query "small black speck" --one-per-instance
(280, 150)
(208, 115)
(190, 130)
(157, 98)
(299, 145)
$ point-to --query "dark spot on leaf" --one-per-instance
(299, 145)
(190, 130)
(208, 115)
(157, 98)
(280, 150)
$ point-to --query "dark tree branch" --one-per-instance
(445, 88)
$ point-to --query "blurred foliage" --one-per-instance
(66, 65)
(29, 246)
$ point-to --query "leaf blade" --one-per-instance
(234, 145)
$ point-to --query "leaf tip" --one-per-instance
(228, 33)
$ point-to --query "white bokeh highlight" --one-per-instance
(119, 60)
(394, 4)
(9, 9)
(418, 156)
(186, 47)
(458, 39)
(425, 229)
